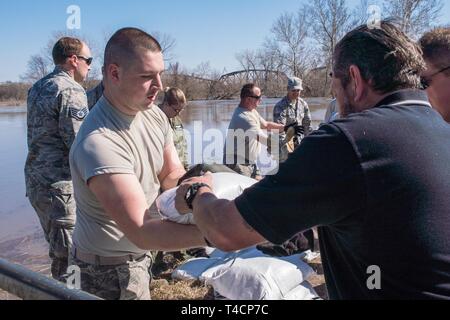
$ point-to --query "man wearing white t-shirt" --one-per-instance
(123, 155)
(245, 133)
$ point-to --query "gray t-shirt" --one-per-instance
(110, 142)
(244, 137)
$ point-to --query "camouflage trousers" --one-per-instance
(128, 281)
(56, 209)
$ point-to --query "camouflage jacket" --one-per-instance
(179, 140)
(286, 113)
(94, 95)
(56, 107)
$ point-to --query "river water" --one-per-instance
(21, 239)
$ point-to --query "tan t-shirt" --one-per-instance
(244, 137)
(110, 142)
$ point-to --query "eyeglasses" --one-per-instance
(177, 111)
(256, 97)
(425, 82)
(88, 60)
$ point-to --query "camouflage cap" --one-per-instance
(295, 83)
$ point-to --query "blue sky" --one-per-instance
(205, 30)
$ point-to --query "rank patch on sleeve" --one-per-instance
(78, 114)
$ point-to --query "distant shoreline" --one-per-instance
(13, 103)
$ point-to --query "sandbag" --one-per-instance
(249, 274)
(225, 186)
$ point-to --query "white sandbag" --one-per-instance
(261, 278)
(250, 274)
(202, 268)
(225, 186)
(304, 291)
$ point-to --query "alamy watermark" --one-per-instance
(73, 277)
(374, 20)
(374, 280)
(73, 22)
(212, 146)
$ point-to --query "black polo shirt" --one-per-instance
(377, 184)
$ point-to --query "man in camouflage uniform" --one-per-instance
(292, 109)
(179, 139)
(173, 104)
(56, 107)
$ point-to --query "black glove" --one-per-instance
(299, 130)
(200, 169)
(293, 124)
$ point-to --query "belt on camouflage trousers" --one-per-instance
(105, 261)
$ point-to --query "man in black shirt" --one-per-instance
(381, 201)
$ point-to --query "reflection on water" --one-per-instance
(211, 119)
(18, 219)
(17, 216)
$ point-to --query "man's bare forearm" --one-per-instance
(221, 223)
(168, 236)
(171, 180)
(275, 126)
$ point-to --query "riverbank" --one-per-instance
(31, 252)
(12, 103)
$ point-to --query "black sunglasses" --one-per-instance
(425, 82)
(256, 97)
(88, 60)
(177, 111)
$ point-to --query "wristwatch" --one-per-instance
(192, 192)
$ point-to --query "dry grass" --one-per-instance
(162, 289)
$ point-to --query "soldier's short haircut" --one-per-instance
(125, 44)
(386, 57)
(247, 90)
(65, 48)
(174, 96)
(436, 47)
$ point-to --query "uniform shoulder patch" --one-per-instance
(78, 114)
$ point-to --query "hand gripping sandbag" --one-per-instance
(225, 186)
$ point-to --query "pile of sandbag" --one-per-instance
(247, 274)
(251, 275)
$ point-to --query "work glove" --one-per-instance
(299, 130)
(291, 125)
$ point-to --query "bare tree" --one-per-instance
(330, 20)
(290, 31)
(248, 60)
(270, 59)
(167, 43)
(360, 14)
(37, 68)
(414, 16)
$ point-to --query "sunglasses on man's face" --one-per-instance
(177, 111)
(256, 97)
(425, 82)
(88, 60)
